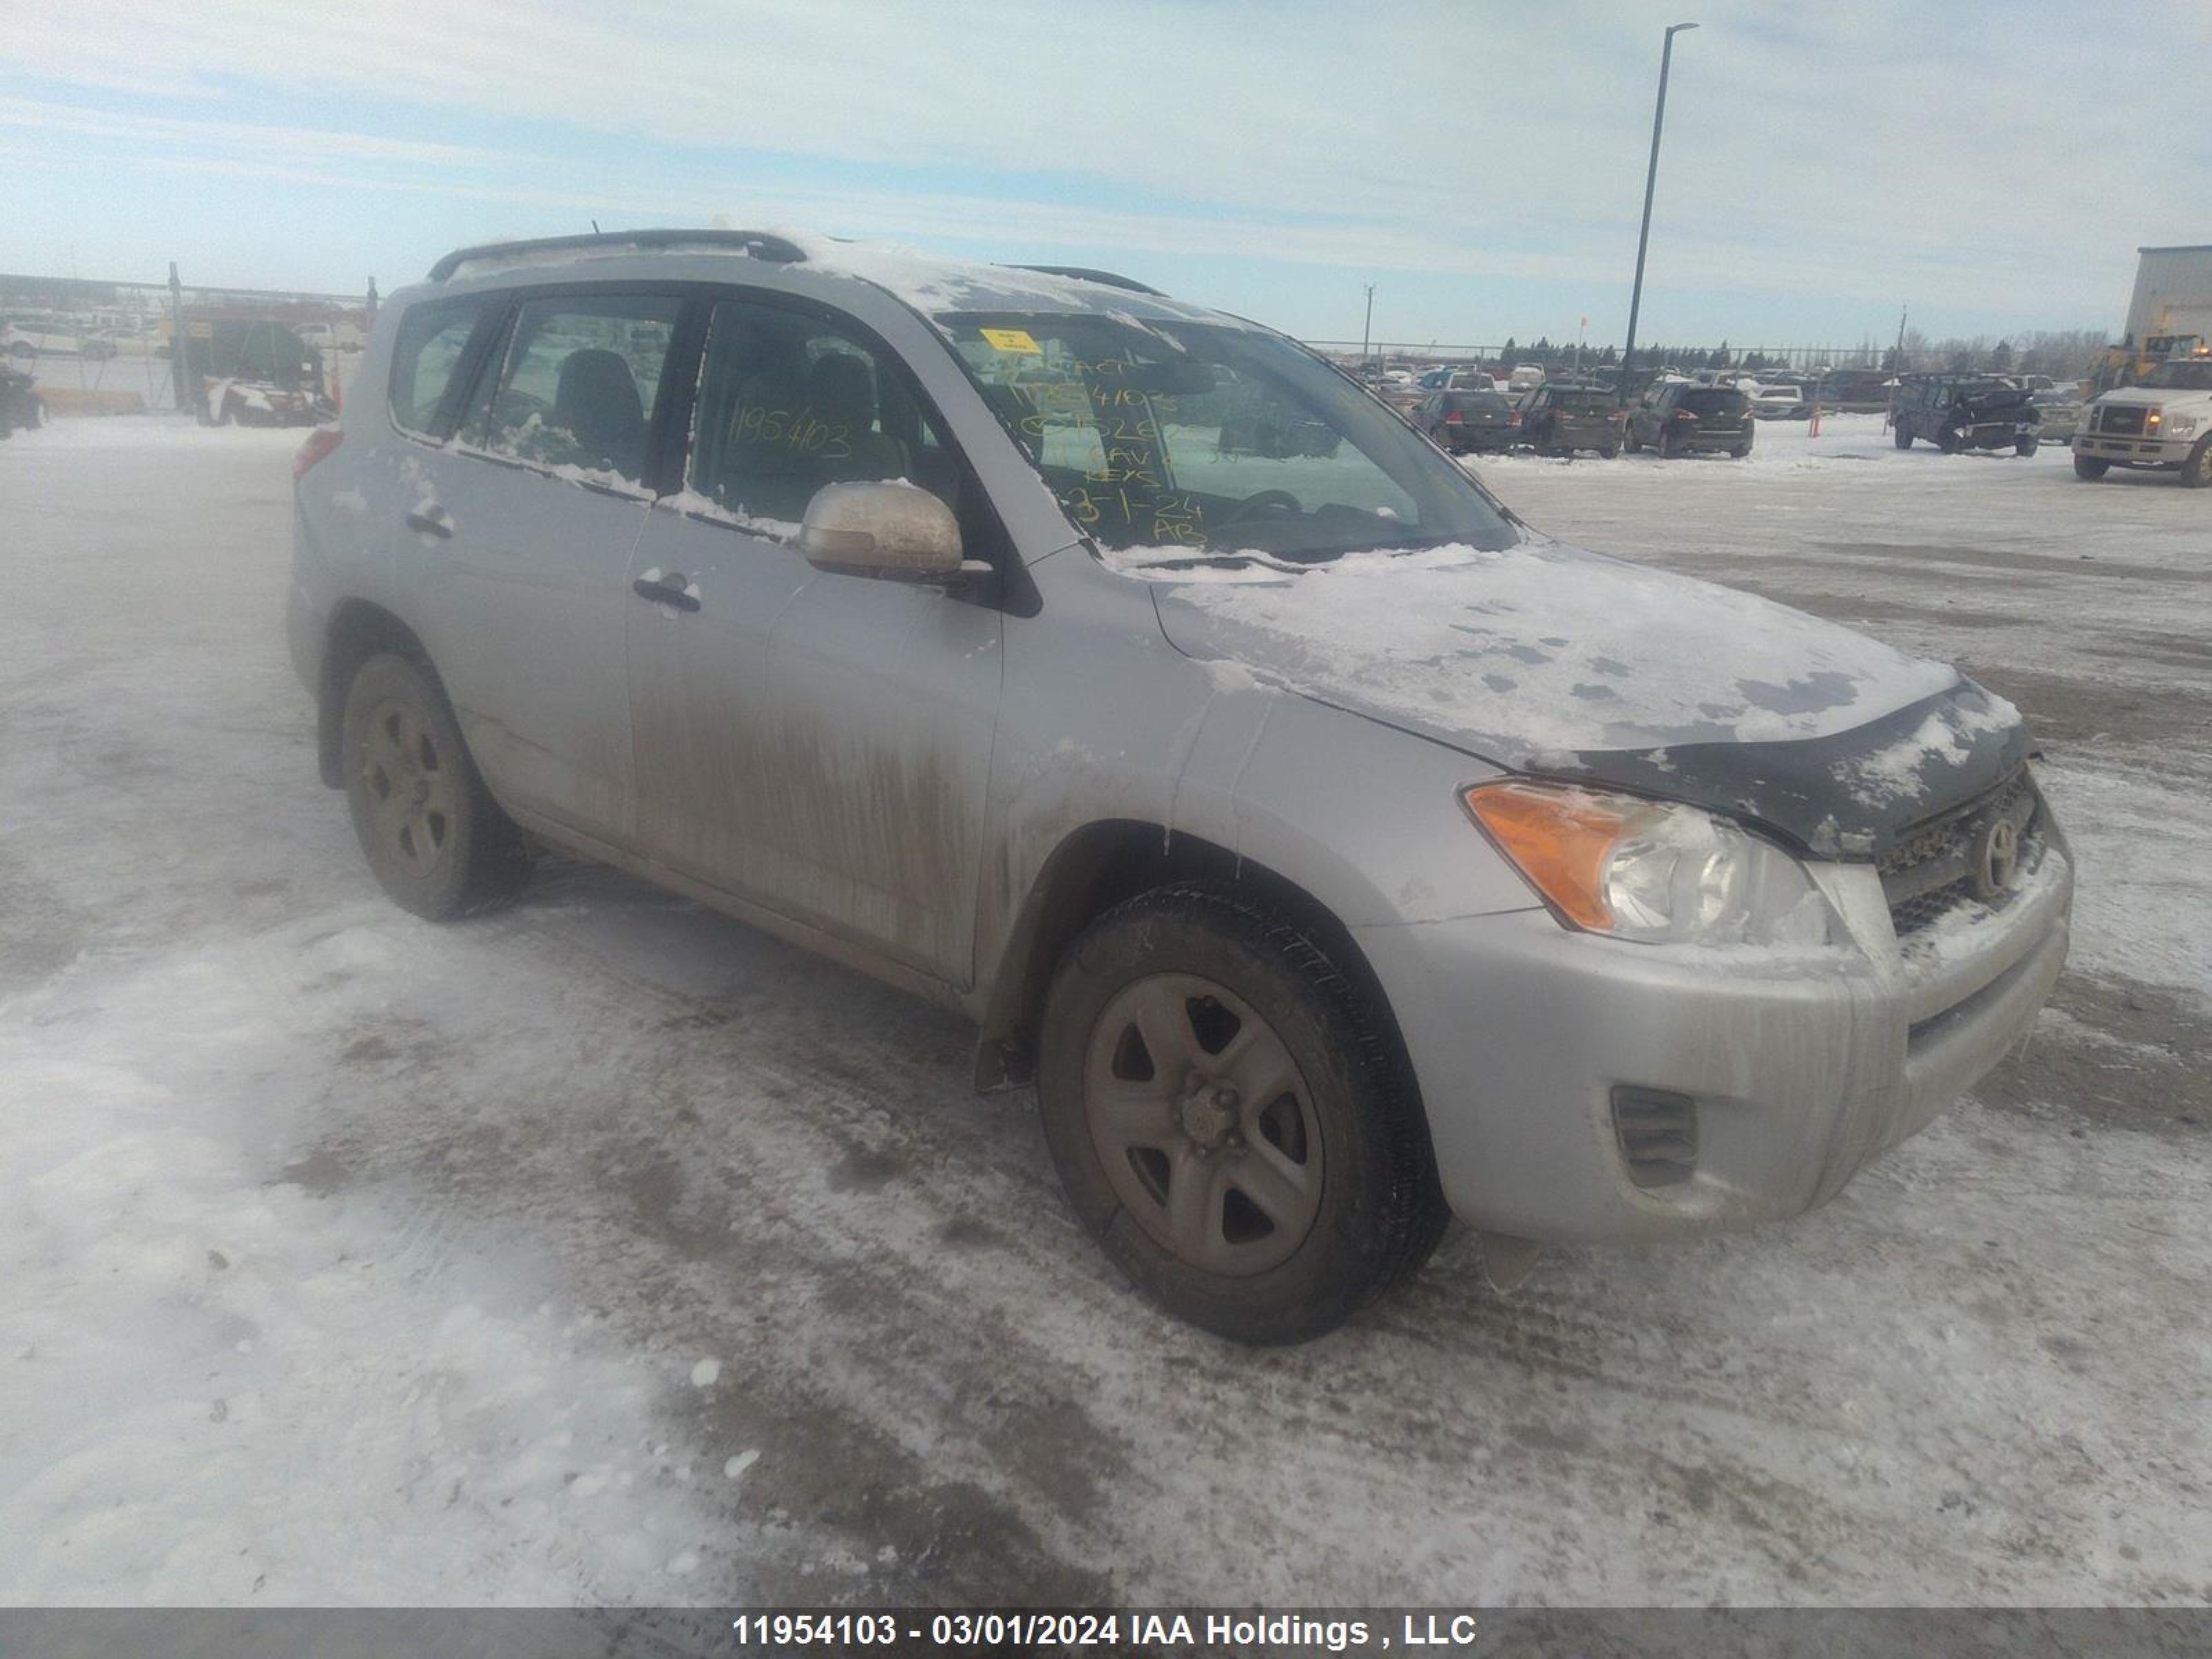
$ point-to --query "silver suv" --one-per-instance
(1333, 853)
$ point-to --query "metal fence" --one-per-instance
(111, 347)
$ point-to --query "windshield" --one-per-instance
(1582, 401)
(1214, 437)
(2194, 376)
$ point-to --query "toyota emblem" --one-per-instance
(1996, 859)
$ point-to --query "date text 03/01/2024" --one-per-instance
(1415, 1631)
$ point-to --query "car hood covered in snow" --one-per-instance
(1547, 659)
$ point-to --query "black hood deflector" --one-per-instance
(1820, 794)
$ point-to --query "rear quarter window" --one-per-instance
(433, 345)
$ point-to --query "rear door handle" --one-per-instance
(665, 590)
(430, 520)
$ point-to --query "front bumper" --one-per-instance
(2141, 450)
(1803, 1066)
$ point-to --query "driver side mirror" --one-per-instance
(888, 530)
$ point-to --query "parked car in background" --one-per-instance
(1561, 417)
(1469, 423)
(1962, 411)
(1679, 418)
(21, 408)
(2164, 424)
(1333, 854)
(1863, 390)
(1525, 377)
(29, 336)
(1780, 400)
(2057, 415)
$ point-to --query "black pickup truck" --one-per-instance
(1965, 411)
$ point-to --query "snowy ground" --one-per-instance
(606, 1249)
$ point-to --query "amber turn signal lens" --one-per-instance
(1559, 838)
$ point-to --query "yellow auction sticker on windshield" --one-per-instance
(1011, 339)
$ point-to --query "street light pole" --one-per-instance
(1650, 181)
(1367, 328)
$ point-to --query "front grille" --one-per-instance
(1937, 866)
(2121, 417)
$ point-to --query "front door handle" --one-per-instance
(665, 590)
(430, 520)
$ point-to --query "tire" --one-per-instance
(1901, 436)
(2196, 470)
(1948, 441)
(2024, 448)
(1631, 443)
(1740, 451)
(1669, 449)
(1311, 1203)
(2090, 469)
(1607, 454)
(449, 851)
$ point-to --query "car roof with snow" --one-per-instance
(806, 262)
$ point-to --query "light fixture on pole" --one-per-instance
(1650, 181)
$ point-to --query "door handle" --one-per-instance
(665, 590)
(430, 520)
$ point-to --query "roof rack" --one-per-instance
(754, 243)
(1085, 274)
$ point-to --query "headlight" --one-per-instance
(1651, 871)
(2180, 426)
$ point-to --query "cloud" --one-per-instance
(1874, 152)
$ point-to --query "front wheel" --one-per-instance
(1740, 450)
(2089, 467)
(2025, 447)
(2196, 470)
(435, 839)
(1902, 438)
(1230, 1120)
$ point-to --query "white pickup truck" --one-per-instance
(2163, 421)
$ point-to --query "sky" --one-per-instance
(1993, 167)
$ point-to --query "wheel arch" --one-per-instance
(358, 629)
(1099, 865)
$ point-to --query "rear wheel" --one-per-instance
(2196, 470)
(435, 839)
(1669, 448)
(2089, 467)
(1740, 450)
(1229, 1119)
(1901, 436)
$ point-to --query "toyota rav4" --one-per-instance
(1333, 851)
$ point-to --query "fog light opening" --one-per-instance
(1658, 1135)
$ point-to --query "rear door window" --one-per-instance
(581, 377)
(428, 354)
